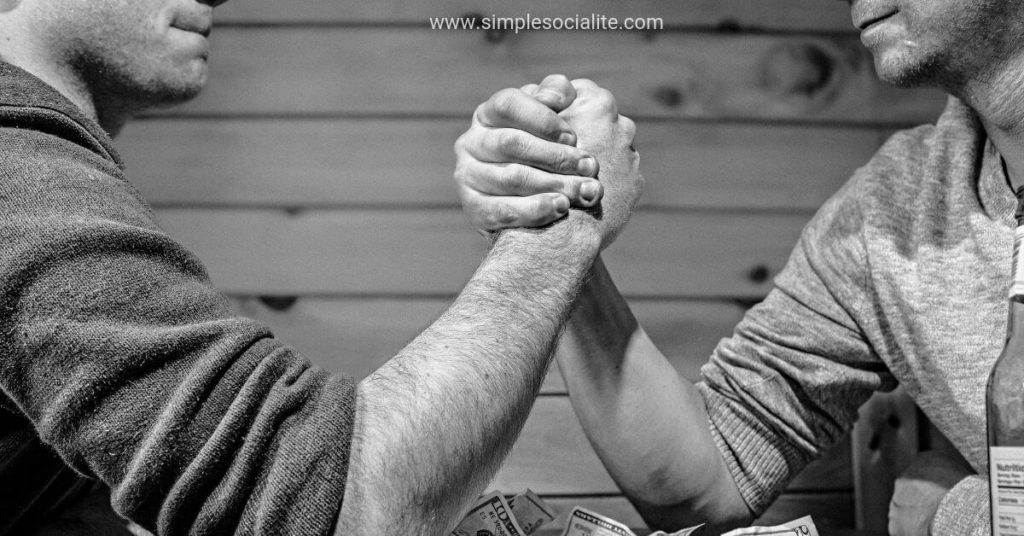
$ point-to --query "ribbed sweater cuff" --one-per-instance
(964, 511)
(761, 462)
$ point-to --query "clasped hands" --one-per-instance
(533, 153)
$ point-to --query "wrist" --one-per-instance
(574, 238)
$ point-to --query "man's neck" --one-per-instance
(999, 103)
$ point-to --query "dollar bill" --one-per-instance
(583, 522)
(530, 511)
(799, 527)
(684, 532)
(490, 516)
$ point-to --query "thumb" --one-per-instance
(555, 92)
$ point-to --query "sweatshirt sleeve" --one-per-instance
(135, 370)
(964, 511)
(789, 381)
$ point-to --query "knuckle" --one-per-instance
(605, 100)
(552, 128)
(503, 103)
(504, 214)
(461, 144)
(461, 175)
(482, 107)
(629, 126)
(516, 177)
(539, 210)
(510, 143)
(564, 161)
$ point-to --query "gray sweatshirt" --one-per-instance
(120, 362)
(902, 277)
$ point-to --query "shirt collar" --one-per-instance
(28, 102)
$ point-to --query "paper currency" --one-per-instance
(684, 532)
(525, 513)
(490, 516)
(530, 511)
(799, 527)
(583, 522)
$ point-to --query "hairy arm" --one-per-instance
(648, 425)
(433, 424)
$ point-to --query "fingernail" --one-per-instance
(587, 166)
(589, 190)
(567, 138)
(561, 204)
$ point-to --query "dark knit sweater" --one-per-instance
(120, 362)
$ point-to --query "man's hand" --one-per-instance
(920, 490)
(517, 165)
(607, 135)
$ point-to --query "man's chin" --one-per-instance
(177, 92)
(177, 97)
(901, 73)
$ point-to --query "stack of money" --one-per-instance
(524, 514)
(583, 522)
(492, 515)
(800, 527)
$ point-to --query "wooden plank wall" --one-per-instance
(313, 177)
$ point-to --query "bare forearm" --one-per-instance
(648, 425)
(434, 423)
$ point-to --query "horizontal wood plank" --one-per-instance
(432, 252)
(828, 510)
(409, 162)
(773, 14)
(553, 456)
(370, 70)
(355, 336)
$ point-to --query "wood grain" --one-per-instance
(770, 14)
(553, 456)
(409, 162)
(432, 252)
(371, 70)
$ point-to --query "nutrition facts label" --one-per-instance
(1006, 472)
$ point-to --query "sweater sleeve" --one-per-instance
(788, 383)
(135, 370)
(964, 511)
